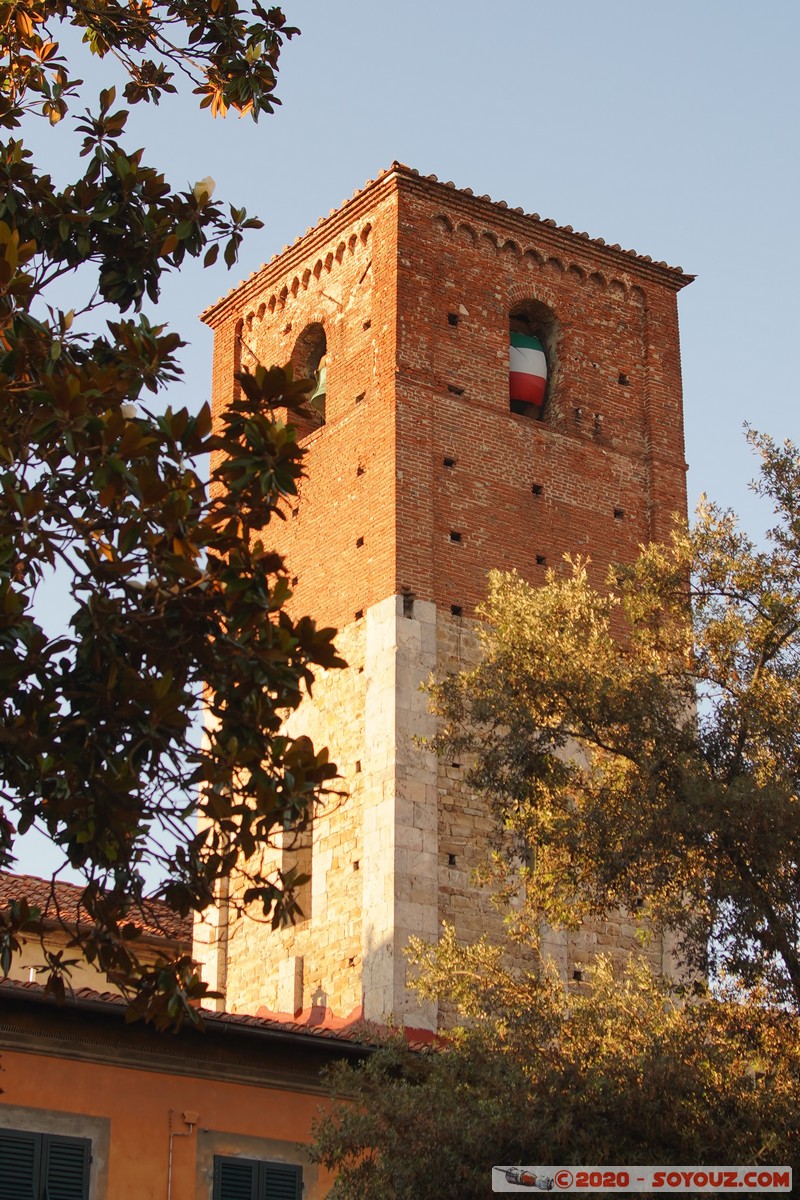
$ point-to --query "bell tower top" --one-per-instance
(405, 304)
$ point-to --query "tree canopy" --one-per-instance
(639, 746)
(172, 587)
(641, 741)
(616, 1072)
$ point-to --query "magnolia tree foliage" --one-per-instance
(641, 742)
(616, 1072)
(170, 581)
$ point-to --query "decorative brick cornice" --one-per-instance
(541, 229)
(482, 209)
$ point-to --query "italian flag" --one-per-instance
(527, 369)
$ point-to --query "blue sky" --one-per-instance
(669, 128)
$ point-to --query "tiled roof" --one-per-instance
(61, 902)
(363, 1034)
(398, 168)
(356, 1035)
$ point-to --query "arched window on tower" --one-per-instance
(531, 367)
(308, 362)
(297, 855)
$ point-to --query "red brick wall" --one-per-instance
(397, 259)
(604, 445)
(347, 283)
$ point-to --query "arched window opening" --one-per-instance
(237, 357)
(531, 368)
(297, 855)
(308, 362)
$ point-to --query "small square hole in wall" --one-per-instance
(351, 962)
(456, 765)
(457, 391)
(577, 414)
(295, 580)
(358, 766)
(360, 397)
(287, 328)
(537, 489)
(455, 536)
(356, 865)
(295, 512)
(448, 462)
(623, 380)
(456, 610)
(359, 469)
(359, 614)
(367, 324)
(619, 514)
(408, 604)
(541, 560)
(452, 318)
(577, 976)
(359, 541)
(451, 860)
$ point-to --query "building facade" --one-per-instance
(96, 1108)
(426, 468)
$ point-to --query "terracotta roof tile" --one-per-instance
(61, 902)
(358, 1036)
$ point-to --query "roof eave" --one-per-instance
(396, 176)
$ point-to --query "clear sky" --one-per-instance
(669, 128)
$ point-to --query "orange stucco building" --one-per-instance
(113, 1110)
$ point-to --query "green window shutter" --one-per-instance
(252, 1179)
(281, 1182)
(65, 1168)
(41, 1166)
(235, 1179)
(20, 1165)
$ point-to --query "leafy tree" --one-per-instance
(641, 742)
(171, 584)
(618, 1072)
(639, 746)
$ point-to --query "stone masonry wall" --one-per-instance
(318, 960)
(467, 836)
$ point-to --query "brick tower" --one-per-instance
(422, 475)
